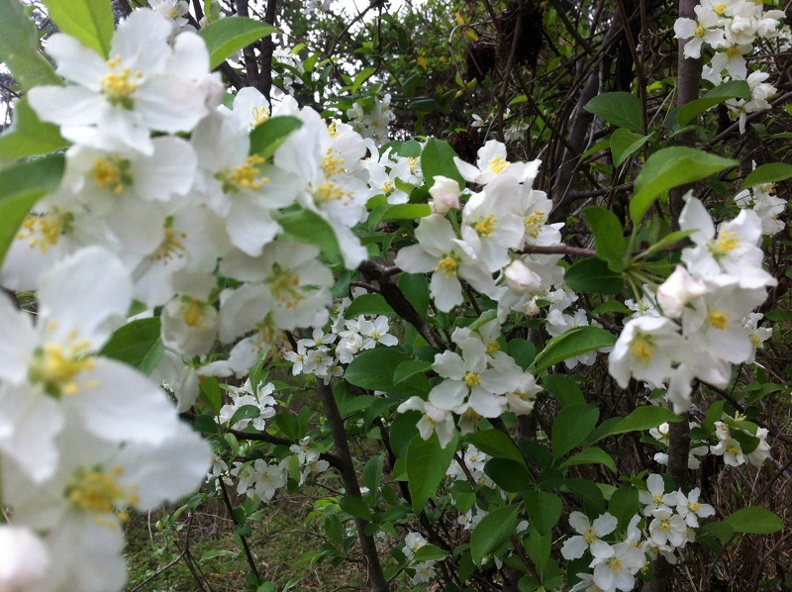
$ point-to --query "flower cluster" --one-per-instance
(496, 224)
(740, 441)
(732, 28)
(762, 200)
(424, 570)
(370, 117)
(666, 524)
(324, 354)
(481, 381)
(83, 436)
(701, 324)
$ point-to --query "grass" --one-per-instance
(199, 552)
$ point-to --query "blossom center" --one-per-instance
(590, 536)
(615, 565)
(497, 164)
(99, 492)
(260, 115)
(45, 230)
(700, 31)
(727, 241)
(719, 9)
(55, 367)
(388, 187)
(111, 173)
(472, 379)
(533, 223)
(733, 52)
(332, 164)
(193, 313)
(486, 226)
(694, 506)
(172, 247)
(448, 266)
(117, 86)
(642, 349)
(718, 319)
(329, 191)
(286, 287)
(665, 525)
(244, 176)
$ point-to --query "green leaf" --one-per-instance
(566, 391)
(21, 186)
(211, 9)
(19, 48)
(544, 509)
(373, 369)
(429, 553)
(426, 467)
(608, 233)
(437, 158)
(497, 444)
(354, 506)
(623, 504)
(371, 304)
(672, 167)
(667, 241)
(755, 520)
(372, 472)
(138, 344)
(768, 173)
(91, 22)
(406, 211)
(402, 432)
(643, 418)
(245, 412)
(211, 394)
(572, 426)
(492, 532)
(588, 492)
(227, 36)
(591, 456)
(269, 135)
(625, 143)
(734, 89)
(521, 351)
(410, 368)
(306, 226)
(415, 288)
(621, 109)
(28, 135)
(361, 77)
(593, 275)
(572, 343)
(722, 531)
(509, 475)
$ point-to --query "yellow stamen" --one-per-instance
(244, 176)
(534, 222)
(497, 164)
(472, 379)
(332, 164)
(117, 86)
(448, 266)
(486, 226)
(286, 287)
(718, 319)
(111, 173)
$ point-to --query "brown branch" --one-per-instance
(349, 479)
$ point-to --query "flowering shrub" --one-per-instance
(183, 245)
